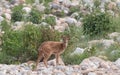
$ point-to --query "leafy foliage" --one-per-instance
(35, 16)
(97, 24)
(17, 14)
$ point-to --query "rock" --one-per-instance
(107, 43)
(118, 39)
(8, 16)
(40, 7)
(54, 6)
(1, 18)
(18, 25)
(114, 35)
(117, 62)
(92, 64)
(112, 5)
(66, 3)
(89, 64)
(70, 20)
(27, 9)
(78, 51)
(75, 2)
(92, 73)
(89, 3)
(61, 27)
(53, 62)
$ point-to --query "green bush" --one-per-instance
(97, 24)
(30, 1)
(74, 9)
(116, 23)
(113, 52)
(22, 45)
(17, 16)
(35, 16)
(50, 20)
(5, 26)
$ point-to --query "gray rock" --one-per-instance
(8, 16)
(92, 73)
(78, 51)
(117, 62)
(27, 9)
(1, 18)
(70, 20)
(55, 6)
(40, 7)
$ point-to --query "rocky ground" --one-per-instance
(89, 66)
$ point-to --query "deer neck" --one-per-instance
(65, 44)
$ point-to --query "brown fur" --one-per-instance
(51, 47)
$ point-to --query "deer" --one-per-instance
(48, 48)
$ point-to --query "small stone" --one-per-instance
(92, 73)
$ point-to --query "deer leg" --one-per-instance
(38, 60)
(57, 58)
(45, 60)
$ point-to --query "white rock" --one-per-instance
(53, 62)
(70, 20)
(117, 62)
(92, 73)
(91, 63)
(8, 16)
(1, 18)
(107, 43)
(55, 6)
(114, 35)
(27, 9)
(75, 2)
(40, 7)
(66, 3)
(78, 51)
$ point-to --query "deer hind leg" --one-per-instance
(46, 57)
(38, 60)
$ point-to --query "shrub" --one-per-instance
(22, 45)
(29, 1)
(35, 16)
(115, 23)
(74, 9)
(5, 26)
(113, 53)
(17, 14)
(50, 20)
(97, 24)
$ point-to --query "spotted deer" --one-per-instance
(51, 47)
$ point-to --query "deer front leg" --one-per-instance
(57, 58)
